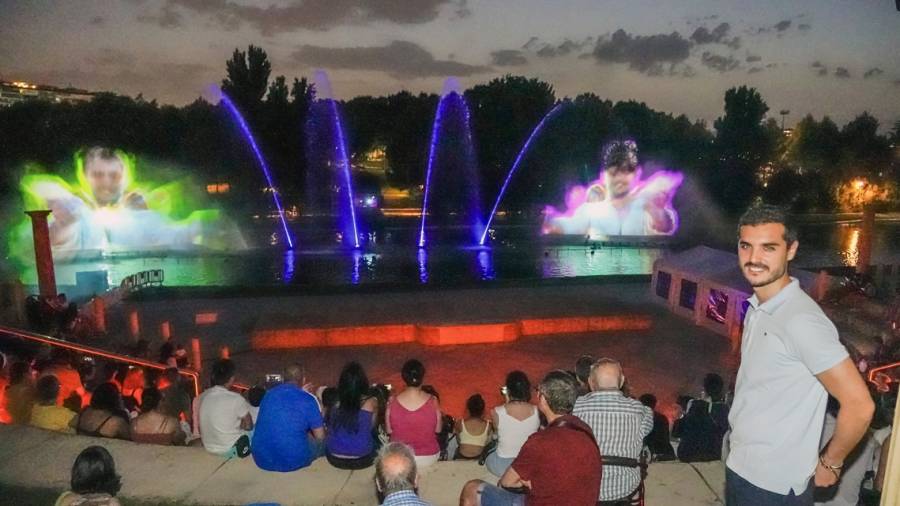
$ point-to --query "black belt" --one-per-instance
(613, 460)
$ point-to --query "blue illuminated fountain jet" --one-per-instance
(248, 135)
(328, 160)
(451, 166)
(534, 133)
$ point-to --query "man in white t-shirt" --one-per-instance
(224, 416)
(791, 360)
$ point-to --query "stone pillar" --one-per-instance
(196, 359)
(865, 240)
(134, 324)
(165, 330)
(98, 305)
(43, 255)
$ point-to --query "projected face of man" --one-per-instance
(106, 178)
(764, 255)
(620, 179)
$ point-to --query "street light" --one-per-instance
(783, 112)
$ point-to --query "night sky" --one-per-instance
(822, 57)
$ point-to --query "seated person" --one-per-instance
(472, 433)
(514, 421)
(61, 361)
(105, 416)
(558, 465)
(254, 397)
(289, 431)
(154, 427)
(413, 417)
(704, 424)
(350, 443)
(20, 393)
(175, 401)
(396, 479)
(658, 440)
(46, 414)
(94, 480)
(223, 415)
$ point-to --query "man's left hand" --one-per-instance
(825, 477)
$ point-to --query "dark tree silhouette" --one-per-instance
(247, 77)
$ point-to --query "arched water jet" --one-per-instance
(515, 165)
(248, 135)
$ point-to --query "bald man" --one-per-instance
(620, 425)
(289, 431)
(396, 479)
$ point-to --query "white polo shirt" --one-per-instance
(779, 405)
(221, 411)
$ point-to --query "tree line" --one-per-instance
(804, 170)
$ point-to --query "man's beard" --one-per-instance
(771, 279)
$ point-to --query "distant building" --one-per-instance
(12, 92)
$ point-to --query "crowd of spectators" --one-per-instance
(578, 437)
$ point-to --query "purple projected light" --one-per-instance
(431, 156)
(259, 158)
(345, 162)
(515, 166)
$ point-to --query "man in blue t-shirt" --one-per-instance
(289, 432)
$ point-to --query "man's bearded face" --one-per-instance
(106, 180)
(619, 180)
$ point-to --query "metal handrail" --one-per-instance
(90, 350)
(882, 385)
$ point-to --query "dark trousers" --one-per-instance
(740, 492)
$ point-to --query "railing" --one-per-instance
(878, 377)
(97, 352)
(141, 279)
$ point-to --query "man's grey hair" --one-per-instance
(395, 469)
(560, 390)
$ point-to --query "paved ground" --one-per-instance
(36, 467)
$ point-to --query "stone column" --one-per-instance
(43, 255)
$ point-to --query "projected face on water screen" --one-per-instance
(105, 174)
(620, 202)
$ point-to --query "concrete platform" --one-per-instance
(36, 466)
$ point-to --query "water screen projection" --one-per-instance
(108, 210)
(620, 202)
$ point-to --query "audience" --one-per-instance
(20, 393)
(658, 441)
(69, 379)
(583, 373)
(620, 425)
(472, 432)
(104, 417)
(46, 414)
(94, 480)
(289, 433)
(396, 477)
(223, 415)
(175, 401)
(558, 465)
(515, 421)
(702, 428)
(254, 397)
(154, 427)
(413, 416)
(350, 443)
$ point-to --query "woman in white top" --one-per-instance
(514, 421)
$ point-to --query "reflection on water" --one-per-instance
(850, 250)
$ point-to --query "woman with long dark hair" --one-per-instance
(349, 443)
(105, 417)
(94, 480)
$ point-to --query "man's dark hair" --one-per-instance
(48, 389)
(648, 400)
(621, 155)
(150, 399)
(475, 406)
(18, 372)
(714, 386)
(560, 390)
(413, 372)
(94, 472)
(583, 368)
(518, 388)
(222, 371)
(107, 397)
(760, 214)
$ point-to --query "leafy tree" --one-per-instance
(278, 92)
(247, 77)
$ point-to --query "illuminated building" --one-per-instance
(12, 92)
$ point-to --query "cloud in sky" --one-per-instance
(566, 47)
(754, 70)
(873, 72)
(399, 59)
(508, 58)
(782, 25)
(277, 17)
(640, 52)
(718, 35)
(751, 58)
(719, 63)
(841, 72)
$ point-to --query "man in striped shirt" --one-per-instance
(620, 425)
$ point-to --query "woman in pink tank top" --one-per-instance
(414, 416)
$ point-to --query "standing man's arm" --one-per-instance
(845, 384)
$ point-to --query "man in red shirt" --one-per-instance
(558, 465)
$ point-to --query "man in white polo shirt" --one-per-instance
(224, 416)
(791, 360)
